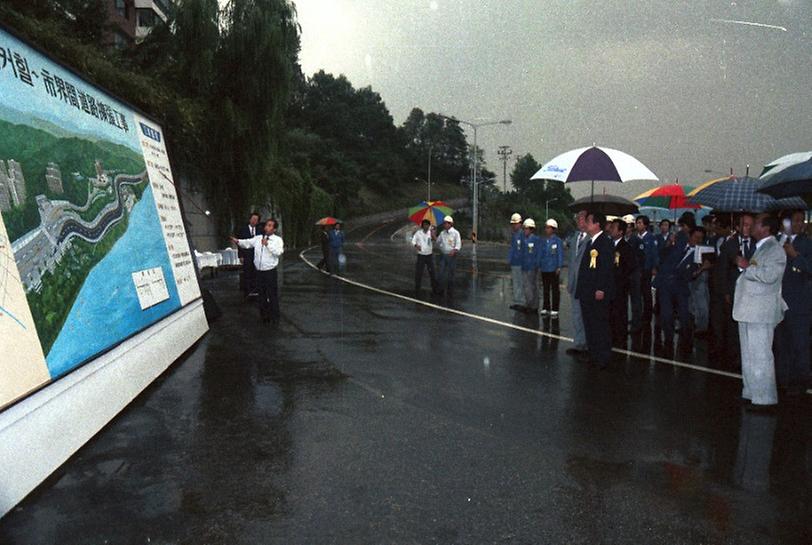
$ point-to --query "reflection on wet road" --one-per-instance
(367, 418)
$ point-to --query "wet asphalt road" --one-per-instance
(369, 419)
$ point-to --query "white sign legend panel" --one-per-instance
(166, 200)
(150, 286)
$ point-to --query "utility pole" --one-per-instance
(504, 152)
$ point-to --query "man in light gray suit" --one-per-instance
(576, 244)
(758, 307)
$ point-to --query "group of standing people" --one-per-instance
(530, 255)
(744, 284)
(331, 240)
(261, 250)
(449, 244)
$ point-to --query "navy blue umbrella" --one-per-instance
(741, 195)
(789, 179)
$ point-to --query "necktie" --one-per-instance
(580, 241)
(746, 248)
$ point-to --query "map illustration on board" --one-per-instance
(87, 205)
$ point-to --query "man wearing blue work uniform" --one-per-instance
(530, 266)
(551, 259)
(648, 259)
(336, 249)
(515, 261)
(661, 239)
(673, 287)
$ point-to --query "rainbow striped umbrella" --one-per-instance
(434, 211)
(669, 196)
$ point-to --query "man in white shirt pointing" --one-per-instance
(449, 242)
(268, 248)
(423, 242)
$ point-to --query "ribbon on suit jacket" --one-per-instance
(593, 259)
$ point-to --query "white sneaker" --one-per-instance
(544, 312)
(554, 314)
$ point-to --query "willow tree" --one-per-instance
(254, 65)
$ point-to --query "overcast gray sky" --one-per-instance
(667, 81)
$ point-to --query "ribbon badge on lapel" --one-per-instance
(593, 259)
(617, 259)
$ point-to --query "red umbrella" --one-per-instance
(667, 196)
(329, 220)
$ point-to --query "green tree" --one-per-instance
(526, 165)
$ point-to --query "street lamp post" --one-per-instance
(428, 180)
(475, 199)
(547, 207)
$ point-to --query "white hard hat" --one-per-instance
(628, 218)
(552, 223)
(516, 218)
(449, 219)
(530, 223)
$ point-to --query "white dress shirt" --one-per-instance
(266, 256)
(423, 240)
(449, 240)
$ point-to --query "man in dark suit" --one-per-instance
(792, 335)
(625, 267)
(738, 244)
(673, 287)
(596, 288)
(249, 272)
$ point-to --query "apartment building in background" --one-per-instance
(132, 20)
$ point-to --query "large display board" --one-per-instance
(92, 243)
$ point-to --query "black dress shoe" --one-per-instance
(574, 351)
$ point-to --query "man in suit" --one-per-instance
(792, 335)
(596, 288)
(673, 287)
(625, 267)
(738, 244)
(576, 245)
(249, 272)
(758, 307)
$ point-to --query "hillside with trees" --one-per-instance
(247, 128)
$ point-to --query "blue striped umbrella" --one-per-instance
(734, 194)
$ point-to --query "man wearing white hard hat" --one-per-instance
(515, 261)
(449, 242)
(530, 266)
(550, 262)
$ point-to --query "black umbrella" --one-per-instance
(792, 179)
(609, 205)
